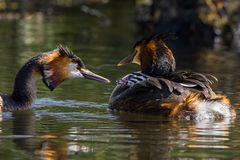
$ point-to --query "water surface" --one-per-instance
(73, 121)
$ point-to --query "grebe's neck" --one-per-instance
(24, 91)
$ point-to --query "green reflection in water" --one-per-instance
(73, 122)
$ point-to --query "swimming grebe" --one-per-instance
(159, 89)
(53, 68)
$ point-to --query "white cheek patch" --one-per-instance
(73, 71)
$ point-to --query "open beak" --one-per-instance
(126, 60)
(90, 75)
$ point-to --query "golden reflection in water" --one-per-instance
(209, 134)
(206, 146)
(46, 146)
(52, 150)
(156, 138)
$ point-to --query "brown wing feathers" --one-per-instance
(174, 82)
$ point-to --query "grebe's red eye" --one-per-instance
(78, 67)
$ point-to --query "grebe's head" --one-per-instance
(153, 55)
(61, 64)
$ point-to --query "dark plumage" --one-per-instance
(165, 91)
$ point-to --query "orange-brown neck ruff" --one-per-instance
(52, 74)
(55, 66)
(156, 58)
(146, 59)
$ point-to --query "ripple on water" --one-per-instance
(41, 102)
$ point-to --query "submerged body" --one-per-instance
(53, 68)
(168, 93)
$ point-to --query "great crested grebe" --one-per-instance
(159, 89)
(53, 68)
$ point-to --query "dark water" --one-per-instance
(73, 122)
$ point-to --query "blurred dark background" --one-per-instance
(201, 22)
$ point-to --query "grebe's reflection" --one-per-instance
(45, 146)
(158, 137)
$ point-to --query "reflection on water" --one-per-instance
(209, 135)
(62, 133)
(73, 121)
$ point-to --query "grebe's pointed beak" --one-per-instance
(92, 76)
(126, 60)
